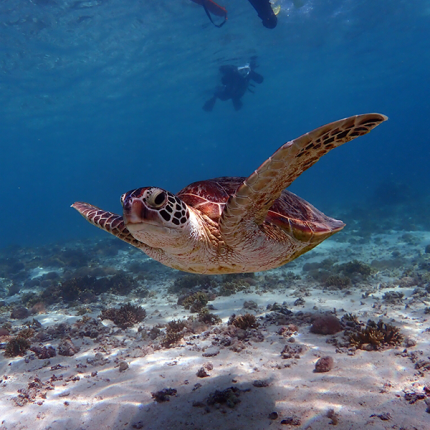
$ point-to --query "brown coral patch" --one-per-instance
(16, 346)
(244, 322)
(326, 324)
(375, 336)
(163, 395)
(324, 364)
(194, 302)
(175, 331)
(126, 316)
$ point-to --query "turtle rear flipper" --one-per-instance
(249, 206)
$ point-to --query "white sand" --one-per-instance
(358, 388)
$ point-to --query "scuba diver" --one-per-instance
(235, 81)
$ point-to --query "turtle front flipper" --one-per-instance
(108, 221)
(256, 195)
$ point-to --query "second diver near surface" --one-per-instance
(235, 81)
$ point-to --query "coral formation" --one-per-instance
(74, 288)
(337, 282)
(43, 352)
(393, 297)
(195, 302)
(350, 321)
(208, 318)
(67, 348)
(19, 344)
(335, 275)
(261, 383)
(16, 346)
(233, 287)
(19, 312)
(299, 302)
(10, 266)
(292, 421)
(333, 416)
(243, 322)
(375, 336)
(126, 316)
(175, 331)
(185, 283)
(84, 289)
(288, 331)
(123, 366)
(354, 267)
(293, 351)
(326, 264)
(324, 364)
(326, 324)
(73, 258)
(250, 304)
(34, 389)
(163, 395)
(201, 373)
(229, 396)
(26, 333)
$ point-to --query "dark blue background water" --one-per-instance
(100, 97)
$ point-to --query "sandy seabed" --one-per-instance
(221, 377)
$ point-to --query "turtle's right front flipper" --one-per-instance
(253, 199)
(108, 221)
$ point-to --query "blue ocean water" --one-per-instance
(100, 97)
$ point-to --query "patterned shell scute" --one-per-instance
(289, 212)
(210, 196)
(304, 221)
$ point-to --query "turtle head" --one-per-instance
(155, 217)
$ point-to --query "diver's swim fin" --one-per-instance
(256, 77)
(211, 7)
(209, 105)
(265, 12)
(237, 104)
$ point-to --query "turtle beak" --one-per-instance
(133, 210)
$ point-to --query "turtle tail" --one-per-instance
(108, 221)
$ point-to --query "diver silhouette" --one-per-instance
(235, 81)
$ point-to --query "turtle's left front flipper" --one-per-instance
(108, 221)
(258, 192)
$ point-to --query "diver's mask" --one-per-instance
(244, 71)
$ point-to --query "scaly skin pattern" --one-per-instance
(230, 224)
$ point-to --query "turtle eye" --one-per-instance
(157, 199)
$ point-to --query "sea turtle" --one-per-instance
(232, 224)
